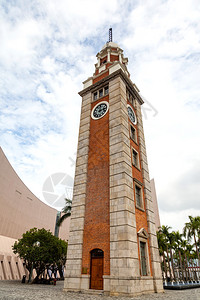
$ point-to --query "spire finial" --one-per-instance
(110, 34)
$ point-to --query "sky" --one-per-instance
(48, 48)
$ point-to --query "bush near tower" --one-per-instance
(39, 249)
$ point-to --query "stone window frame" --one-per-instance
(106, 90)
(96, 94)
(103, 60)
(143, 237)
(131, 99)
(101, 93)
(138, 161)
(139, 185)
(135, 134)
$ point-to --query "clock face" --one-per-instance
(131, 114)
(99, 110)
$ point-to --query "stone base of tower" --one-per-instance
(114, 286)
(135, 286)
(77, 284)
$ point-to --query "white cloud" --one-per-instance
(48, 48)
(177, 219)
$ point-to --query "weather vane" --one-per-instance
(110, 34)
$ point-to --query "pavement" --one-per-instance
(16, 290)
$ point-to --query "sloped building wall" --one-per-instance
(20, 210)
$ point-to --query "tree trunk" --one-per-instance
(181, 265)
(30, 274)
(196, 246)
(192, 270)
(165, 266)
(173, 269)
(186, 268)
(170, 272)
(197, 253)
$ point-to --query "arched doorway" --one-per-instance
(96, 269)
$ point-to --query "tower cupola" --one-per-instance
(111, 55)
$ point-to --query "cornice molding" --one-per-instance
(108, 78)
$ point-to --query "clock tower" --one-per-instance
(112, 244)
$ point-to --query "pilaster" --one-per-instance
(123, 237)
(74, 281)
(154, 253)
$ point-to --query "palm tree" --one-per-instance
(171, 239)
(191, 254)
(192, 229)
(162, 249)
(66, 210)
(185, 246)
(165, 231)
(178, 239)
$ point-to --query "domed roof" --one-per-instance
(110, 44)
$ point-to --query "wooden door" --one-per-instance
(96, 280)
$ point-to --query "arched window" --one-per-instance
(97, 253)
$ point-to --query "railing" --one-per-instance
(181, 272)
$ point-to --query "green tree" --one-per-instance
(185, 245)
(66, 212)
(168, 240)
(178, 243)
(39, 248)
(162, 249)
(62, 260)
(192, 229)
(171, 240)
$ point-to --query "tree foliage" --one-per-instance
(177, 250)
(192, 229)
(66, 212)
(39, 249)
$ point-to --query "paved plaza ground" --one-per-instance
(16, 290)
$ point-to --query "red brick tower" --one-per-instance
(112, 244)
